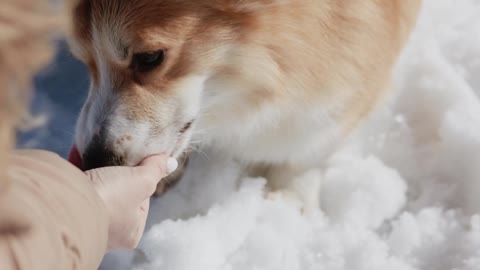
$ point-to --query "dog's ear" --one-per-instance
(78, 22)
(247, 5)
(80, 11)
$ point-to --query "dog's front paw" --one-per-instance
(302, 190)
(285, 196)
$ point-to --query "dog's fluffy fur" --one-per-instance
(277, 83)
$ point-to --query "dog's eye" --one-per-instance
(144, 62)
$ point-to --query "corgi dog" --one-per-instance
(275, 84)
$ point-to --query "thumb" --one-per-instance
(151, 171)
(156, 162)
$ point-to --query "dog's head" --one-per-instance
(148, 61)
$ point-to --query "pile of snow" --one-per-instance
(402, 196)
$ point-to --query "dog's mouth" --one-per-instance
(74, 157)
(180, 144)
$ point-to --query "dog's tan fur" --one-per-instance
(272, 74)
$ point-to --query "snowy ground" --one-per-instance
(401, 195)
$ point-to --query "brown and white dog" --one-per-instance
(274, 83)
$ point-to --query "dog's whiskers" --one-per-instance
(197, 150)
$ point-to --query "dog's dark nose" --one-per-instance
(98, 154)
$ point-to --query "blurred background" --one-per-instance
(60, 90)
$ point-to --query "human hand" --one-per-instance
(126, 193)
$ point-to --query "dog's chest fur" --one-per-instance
(259, 129)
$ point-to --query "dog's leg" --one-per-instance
(298, 183)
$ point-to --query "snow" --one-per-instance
(402, 194)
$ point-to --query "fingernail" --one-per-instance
(172, 165)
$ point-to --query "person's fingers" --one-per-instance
(136, 183)
(150, 172)
(126, 192)
(143, 214)
(113, 183)
(145, 206)
(135, 235)
(158, 161)
(155, 168)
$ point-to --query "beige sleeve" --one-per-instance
(50, 216)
